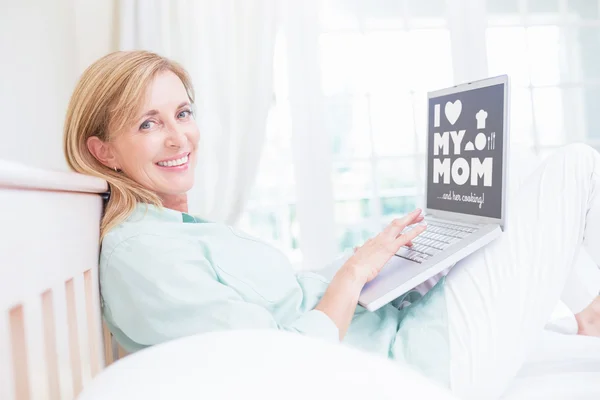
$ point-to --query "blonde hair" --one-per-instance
(105, 99)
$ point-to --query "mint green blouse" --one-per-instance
(165, 274)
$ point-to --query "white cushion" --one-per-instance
(257, 365)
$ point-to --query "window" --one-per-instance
(374, 76)
(367, 66)
(550, 49)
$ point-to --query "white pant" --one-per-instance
(500, 297)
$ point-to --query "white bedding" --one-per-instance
(560, 367)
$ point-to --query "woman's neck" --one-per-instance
(177, 202)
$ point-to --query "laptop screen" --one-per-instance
(464, 173)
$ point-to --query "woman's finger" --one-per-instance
(397, 226)
(413, 221)
(407, 237)
(416, 221)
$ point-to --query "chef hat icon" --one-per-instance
(481, 116)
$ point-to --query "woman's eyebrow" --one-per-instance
(148, 114)
(154, 112)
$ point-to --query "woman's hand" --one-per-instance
(341, 297)
(369, 259)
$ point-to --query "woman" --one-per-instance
(167, 274)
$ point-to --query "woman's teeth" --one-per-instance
(173, 163)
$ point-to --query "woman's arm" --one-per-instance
(157, 288)
(340, 300)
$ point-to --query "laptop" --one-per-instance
(466, 182)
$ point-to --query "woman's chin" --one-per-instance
(176, 190)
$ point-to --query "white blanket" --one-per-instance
(560, 367)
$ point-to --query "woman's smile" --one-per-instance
(174, 164)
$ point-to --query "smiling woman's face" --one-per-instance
(157, 148)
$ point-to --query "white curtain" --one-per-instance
(227, 47)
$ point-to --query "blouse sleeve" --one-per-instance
(156, 289)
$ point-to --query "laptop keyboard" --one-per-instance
(433, 240)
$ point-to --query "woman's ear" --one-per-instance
(103, 152)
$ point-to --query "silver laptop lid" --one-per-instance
(467, 151)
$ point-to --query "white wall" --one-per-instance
(44, 46)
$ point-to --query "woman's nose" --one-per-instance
(176, 137)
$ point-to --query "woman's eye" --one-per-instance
(184, 114)
(146, 125)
